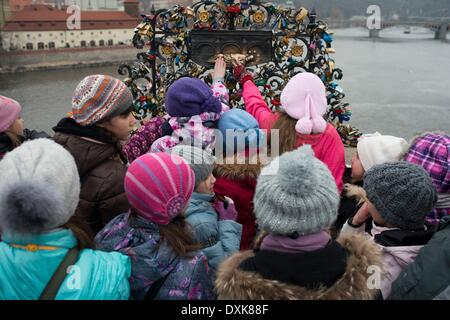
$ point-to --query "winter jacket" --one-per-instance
(327, 146)
(102, 172)
(158, 128)
(143, 138)
(236, 179)
(338, 271)
(428, 277)
(219, 238)
(195, 130)
(399, 249)
(24, 274)
(187, 278)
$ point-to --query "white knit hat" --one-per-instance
(39, 189)
(376, 149)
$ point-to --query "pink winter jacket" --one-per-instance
(327, 146)
(395, 259)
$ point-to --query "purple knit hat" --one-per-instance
(188, 97)
(158, 186)
(431, 151)
(9, 111)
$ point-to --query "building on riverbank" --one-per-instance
(45, 27)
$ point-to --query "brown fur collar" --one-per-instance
(233, 283)
(239, 167)
(354, 191)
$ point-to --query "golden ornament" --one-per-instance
(258, 17)
(203, 16)
(297, 51)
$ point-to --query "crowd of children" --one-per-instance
(182, 209)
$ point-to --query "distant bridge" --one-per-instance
(440, 28)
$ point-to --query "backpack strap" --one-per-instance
(154, 289)
(51, 289)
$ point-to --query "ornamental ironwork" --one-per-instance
(278, 41)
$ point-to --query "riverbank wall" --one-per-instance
(23, 61)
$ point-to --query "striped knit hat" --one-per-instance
(159, 186)
(99, 97)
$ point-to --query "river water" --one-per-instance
(398, 84)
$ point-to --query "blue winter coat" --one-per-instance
(219, 238)
(188, 278)
(96, 275)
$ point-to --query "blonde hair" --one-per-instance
(288, 135)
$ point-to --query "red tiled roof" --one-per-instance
(43, 18)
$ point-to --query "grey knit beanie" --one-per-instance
(300, 197)
(201, 161)
(402, 192)
(40, 187)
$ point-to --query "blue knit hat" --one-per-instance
(243, 127)
(188, 97)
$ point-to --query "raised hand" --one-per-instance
(220, 68)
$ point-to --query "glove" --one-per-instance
(225, 208)
(241, 74)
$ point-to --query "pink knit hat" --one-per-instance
(304, 99)
(158, 186)
(9, 111)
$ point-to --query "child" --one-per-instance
(166, 263)
(12, 132)
(101, 119)
(38, 197)
(372, 149)
(297, 259)
(301, 121)
(428, 277)
(193, 110)
(431, 151)
(212, 219)
(399, 196)
(236, 175)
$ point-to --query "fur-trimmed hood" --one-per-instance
(240, 167)
(234, 283)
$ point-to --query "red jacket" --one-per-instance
(238, 182)
(327, 146)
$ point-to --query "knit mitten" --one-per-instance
(225, 208)
(241, 74)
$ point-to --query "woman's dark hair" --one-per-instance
(114, 140)
(179, 235)
(127, 111)
(15, 139)
(81, 231)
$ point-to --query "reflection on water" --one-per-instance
(398, 84)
